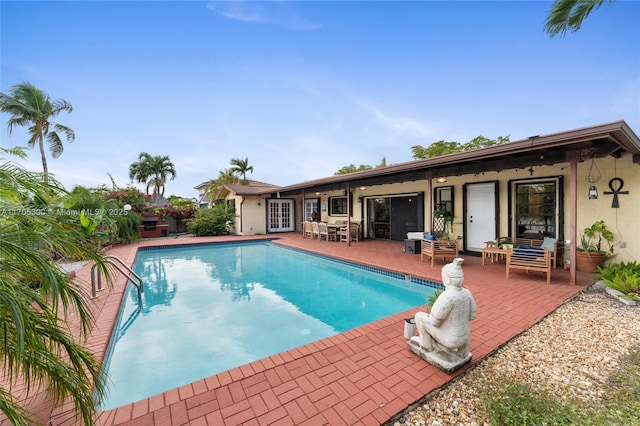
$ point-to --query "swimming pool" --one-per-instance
(210, 308)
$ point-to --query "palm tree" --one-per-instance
(569, 14)
(37, 299)
(242, 167)
(225, 177)
(31, 107)
(153, 170)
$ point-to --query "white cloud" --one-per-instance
(282, 14)
(406, 125)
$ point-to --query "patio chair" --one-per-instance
(438, 248)
(353, 233)
(315, 230)
(306, 229)
(323, 231)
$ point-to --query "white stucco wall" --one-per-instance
(250, 215)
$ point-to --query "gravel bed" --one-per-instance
(570, 353)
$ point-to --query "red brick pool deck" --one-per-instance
(365, 376)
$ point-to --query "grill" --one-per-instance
(149, 223)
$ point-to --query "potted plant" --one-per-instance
(443, 223)
(590, 254)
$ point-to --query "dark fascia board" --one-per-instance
(595, 141)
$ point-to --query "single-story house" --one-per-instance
(551, 185)
(248, 199)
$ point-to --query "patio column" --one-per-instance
(572, 158)
(429, 202)
(348, 215)
(303, 211)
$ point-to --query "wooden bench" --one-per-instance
(529, 259)
(533, 243)
(438, 248)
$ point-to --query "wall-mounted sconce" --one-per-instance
(441, 179)
(593, 192)
(362, 188)
(317, 193)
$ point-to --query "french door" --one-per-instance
(280, 216)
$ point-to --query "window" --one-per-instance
(338, 206)
(443, 199)
(535, 205)
(442, 211)
(310, 206)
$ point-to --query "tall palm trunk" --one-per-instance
(45, 169)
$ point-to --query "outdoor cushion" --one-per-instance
(548, 243)
(524, 252)
(429, 237)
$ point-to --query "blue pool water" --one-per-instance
(210, 308)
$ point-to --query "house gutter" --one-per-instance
(241, 217)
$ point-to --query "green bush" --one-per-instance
(433, 297)
(218, 220)
(624, 277)
(102, 214)
(129, 195)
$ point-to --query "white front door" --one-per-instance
(480, 219)
(280, 217)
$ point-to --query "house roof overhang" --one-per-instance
(580, 144)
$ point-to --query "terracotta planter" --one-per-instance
(589, 262)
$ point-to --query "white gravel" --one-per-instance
(570, 353)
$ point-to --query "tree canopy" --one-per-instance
(353, 168)
(30, 107)
(567, 15)
(241, 167)
(443, 147)
(38, 299)
(153, 170)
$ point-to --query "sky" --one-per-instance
(303, 88)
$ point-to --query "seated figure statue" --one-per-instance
(444, 334)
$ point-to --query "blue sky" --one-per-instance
(305, 88)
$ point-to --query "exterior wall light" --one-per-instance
(442, 179)
(593, 193)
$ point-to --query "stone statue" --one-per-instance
(444, 334)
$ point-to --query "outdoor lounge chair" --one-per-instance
(439, 248)
(530, 259)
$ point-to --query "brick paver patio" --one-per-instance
(365, 376)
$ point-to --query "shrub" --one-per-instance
(129, 195)
(180, 208)
(624, 277)
(433, 297)
(217, 220)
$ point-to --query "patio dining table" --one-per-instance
(334, 228)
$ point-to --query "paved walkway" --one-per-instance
(362, 377)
